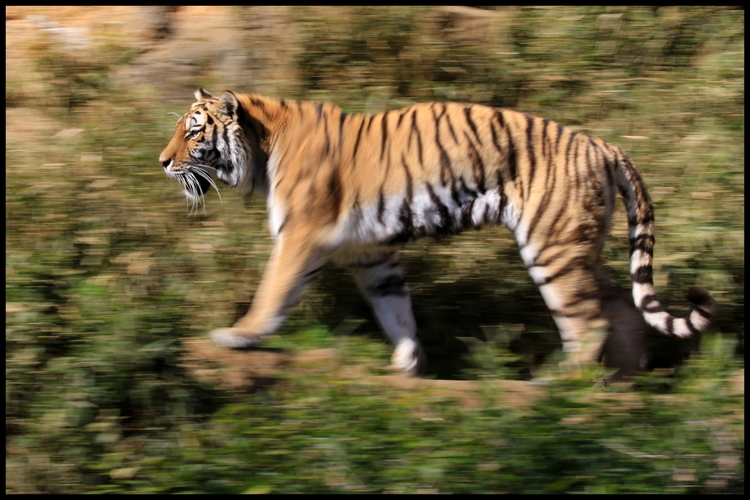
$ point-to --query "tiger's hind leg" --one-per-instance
(567, 280)
(381, 280)
(294, 262)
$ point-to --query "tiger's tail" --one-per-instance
(641, 239)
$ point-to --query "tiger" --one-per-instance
(354, 188)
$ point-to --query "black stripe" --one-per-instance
(409, 187)
(578, 183)
(571, 173)
(405, 219)
(500, 118)
(454, 192)
(342, 119)
(633, 221)
(415, 130)
(443, 156)
(327, 136)
(450, 128)
(357, 210)
(579, 298)
(359, 136)
(644, 243)
(258, 104)
(446, 171)
(551, 258)
(381, 205)
(559, 136)
(530, 148)
(401, 116)
(384, 131)
(503, 202)
(464, 189)
(445, 216)
(445, 163)
(596, 188)
(499, 179)
(335, 193)
(573, 265)
(466, 214)
(495, 140)
(512, 166)
(442, 112)
(700, 297)
(553, 229)
(648, 299)
(477, 168)
(648, 218)
(643, 274)
(609, 168)
(472, 125)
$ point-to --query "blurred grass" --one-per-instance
(106, 272)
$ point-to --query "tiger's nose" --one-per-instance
(165, 163)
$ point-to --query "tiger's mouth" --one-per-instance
(202, 181)
(196, 181)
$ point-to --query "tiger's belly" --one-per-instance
(428, 211)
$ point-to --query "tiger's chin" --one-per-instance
(196, 183)
(200, 185)
(195, 193)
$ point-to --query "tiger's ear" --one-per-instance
(202, 95)
(228, 103)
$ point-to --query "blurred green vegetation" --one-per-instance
(106, 274)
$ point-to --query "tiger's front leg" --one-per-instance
(381, 280)
(294, 262)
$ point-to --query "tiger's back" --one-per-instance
(430, 170)
(355, 187)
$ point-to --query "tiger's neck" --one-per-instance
(264, 113)
(263, 121)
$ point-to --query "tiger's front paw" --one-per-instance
(408, 358)
(234, 338)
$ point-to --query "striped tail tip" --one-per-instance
(705, 305)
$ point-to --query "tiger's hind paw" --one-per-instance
(233, 338)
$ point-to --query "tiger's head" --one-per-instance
(209, 143)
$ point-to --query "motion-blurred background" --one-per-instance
(111, 285)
